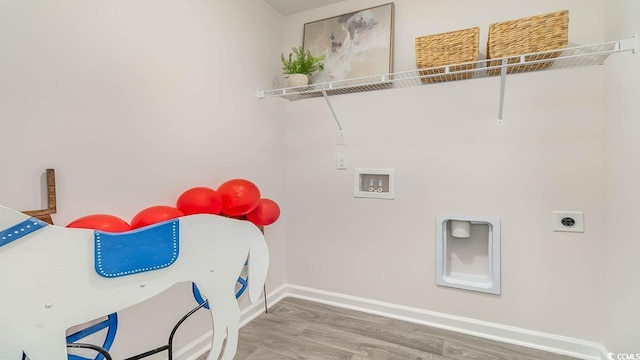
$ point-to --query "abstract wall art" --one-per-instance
(357, 44)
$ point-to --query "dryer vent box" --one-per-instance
(468, 253)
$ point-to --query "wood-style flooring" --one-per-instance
(298, 329)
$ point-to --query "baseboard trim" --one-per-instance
(254, 310)
(508, 334)
(577, 348)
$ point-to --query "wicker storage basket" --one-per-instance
(528, 35)
(449, 48)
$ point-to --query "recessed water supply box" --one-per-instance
(468, 253)
(374, 183)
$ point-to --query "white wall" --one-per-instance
(622, 176)
(451, 157)
(134, 102)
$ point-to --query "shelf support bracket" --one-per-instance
(326, 98)
(503, 82)
(630, 44)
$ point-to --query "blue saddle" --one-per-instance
(150, 248)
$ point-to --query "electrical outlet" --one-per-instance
(569, 221)
(341, 162)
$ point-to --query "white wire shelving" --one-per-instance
(572, 57)
(568, 58)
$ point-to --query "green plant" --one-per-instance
(304, 62)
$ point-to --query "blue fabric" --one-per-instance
(150, 248)
(17, 231)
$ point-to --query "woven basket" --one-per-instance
(449, 48)
(528, 35)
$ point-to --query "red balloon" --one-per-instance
(200, 200)
(266, 213)
(102, 222)
(154, 214)
(239, 217)
(239, 197)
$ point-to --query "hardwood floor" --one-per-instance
(298, 329)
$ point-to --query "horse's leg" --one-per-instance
(225, 314)
(219, 332)
(231, 345)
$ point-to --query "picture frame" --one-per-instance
(356, 44)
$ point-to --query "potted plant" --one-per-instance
(297, 70)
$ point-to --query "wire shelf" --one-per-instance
(549, 60)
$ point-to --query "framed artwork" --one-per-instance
(357, 44)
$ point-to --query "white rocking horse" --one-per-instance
(52, 278)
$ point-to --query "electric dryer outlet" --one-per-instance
(568, 221)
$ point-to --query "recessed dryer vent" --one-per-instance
(468, 253)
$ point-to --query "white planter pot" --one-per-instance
(296, 80)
